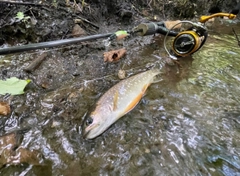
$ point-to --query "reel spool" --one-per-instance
(187, 42)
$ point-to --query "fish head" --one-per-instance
(94, 125)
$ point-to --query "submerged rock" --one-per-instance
(12, 153)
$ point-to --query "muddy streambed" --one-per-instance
(187, 124)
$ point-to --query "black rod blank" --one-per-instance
(34, 46)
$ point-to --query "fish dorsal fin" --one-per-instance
(115, 100)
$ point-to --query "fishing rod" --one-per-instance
(50, 44)
(110, 36)
(185, 42)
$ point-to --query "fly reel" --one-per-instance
(188, 41)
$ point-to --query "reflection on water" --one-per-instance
(187, 124)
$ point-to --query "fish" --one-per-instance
(116, 102)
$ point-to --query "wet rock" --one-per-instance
(4, 72)
(25, 156)
(147, 150)
(126, 14)
(78, 31)
(121, 74)
(4, 108)
(12, 154)
(125, 10)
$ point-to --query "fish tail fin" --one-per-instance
(156, 71)
(156, 77)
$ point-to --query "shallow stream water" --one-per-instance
(188, 123)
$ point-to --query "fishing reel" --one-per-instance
(185, 41)
(186, 37)
(188, 41)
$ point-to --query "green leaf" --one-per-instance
(20, 15)
(13, 86)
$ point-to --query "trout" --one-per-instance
(116, 102)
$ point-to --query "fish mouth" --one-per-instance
(87, 131)
(85, 135)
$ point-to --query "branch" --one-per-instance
(21, 3)
(236, 37)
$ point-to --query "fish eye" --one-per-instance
(89, 121)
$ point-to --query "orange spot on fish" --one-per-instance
(115, 100)
(93, 113)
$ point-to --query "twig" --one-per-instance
(135, 8)
(149, 3)
(36, 63)
(236, 37)
(21, 3)
(32, 13)
(85, 20)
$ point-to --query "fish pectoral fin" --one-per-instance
(135, 101)
(145, 88)
(157, 80)
(115, 101)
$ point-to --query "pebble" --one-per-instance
(121, 74)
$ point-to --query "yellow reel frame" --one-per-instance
(192, 37)
(196, 36)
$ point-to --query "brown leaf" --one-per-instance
(26, 156)
(4, 108)
(78, 31)
(7, 144)
(115, 55)
(12, 154)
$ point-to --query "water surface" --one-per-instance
(187, 124)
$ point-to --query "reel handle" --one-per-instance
(204, 19)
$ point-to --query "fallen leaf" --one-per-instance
(78, 31)
(115, 55)
(4, 108)
(13, 86)
(7, 144)
(26, 156)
